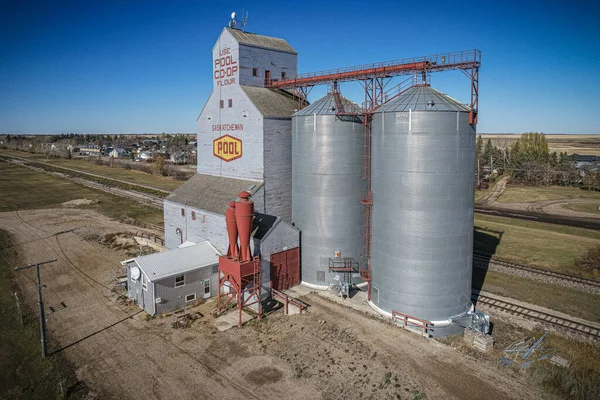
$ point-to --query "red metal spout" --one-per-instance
(244, 214)
(232, 231)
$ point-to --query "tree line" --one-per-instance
(528, 161)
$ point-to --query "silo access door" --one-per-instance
(285, 269)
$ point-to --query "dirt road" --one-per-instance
(329, 353)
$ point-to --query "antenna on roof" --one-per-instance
(233, 22)
(245, 21)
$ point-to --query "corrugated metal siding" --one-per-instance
(160, 265)
(423, 98)
(422, 180)
(326, 190)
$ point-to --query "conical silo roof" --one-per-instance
(423, 98)
(327, 106)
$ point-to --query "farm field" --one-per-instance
(22, 189)
(572, 144)
(131, 176)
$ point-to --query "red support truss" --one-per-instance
(467, 61)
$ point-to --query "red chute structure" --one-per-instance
(239, 272)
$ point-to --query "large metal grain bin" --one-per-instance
(423, 154)
(326, 186)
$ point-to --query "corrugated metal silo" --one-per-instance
(326, 186)
(423, 154)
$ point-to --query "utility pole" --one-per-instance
(40, 302)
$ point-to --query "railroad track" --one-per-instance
(144, 198)
(479, 260)
(529, 313)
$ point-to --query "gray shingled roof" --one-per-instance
(423, 98)
(267, 42)
(272, 102)
(210, 193)
(178, 261)
(326, 106)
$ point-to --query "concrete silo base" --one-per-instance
(441, 329)
(361, 285)
(313, 286)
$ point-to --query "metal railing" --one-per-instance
(410, 321)
(287, 300)
(148, 236)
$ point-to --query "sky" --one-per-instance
(145, 66)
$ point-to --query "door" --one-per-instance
(206, 288)
(285, 269)
(267, 78)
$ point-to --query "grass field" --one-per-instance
(558, 298)
(24, 374)
(22, 188)
(136, 177)
(593, 208)
(546, 245)
(530, 194)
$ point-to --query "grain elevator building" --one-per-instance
(244, 140)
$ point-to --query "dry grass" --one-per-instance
(566, 300)
(24, 374)
(131, 176)
(22, 188)
(531, 194)
(549, 246)
(593, 208)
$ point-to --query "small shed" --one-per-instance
(277, 243)
(163, 282)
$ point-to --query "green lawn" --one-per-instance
(131, 176)
(22, 188)
(530, 194)
(24, 374)
(545, 245)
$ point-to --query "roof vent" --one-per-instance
(430, 104)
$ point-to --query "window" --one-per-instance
(144, 282)
(230, 103)
(215, 268)
(254, 71)
(193, 215)
(183, 212)
(282, 75)
(206, 287)
(221, 103)
(180, 281)
(190, 297)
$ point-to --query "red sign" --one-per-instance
(226, 68)
(227, 148)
